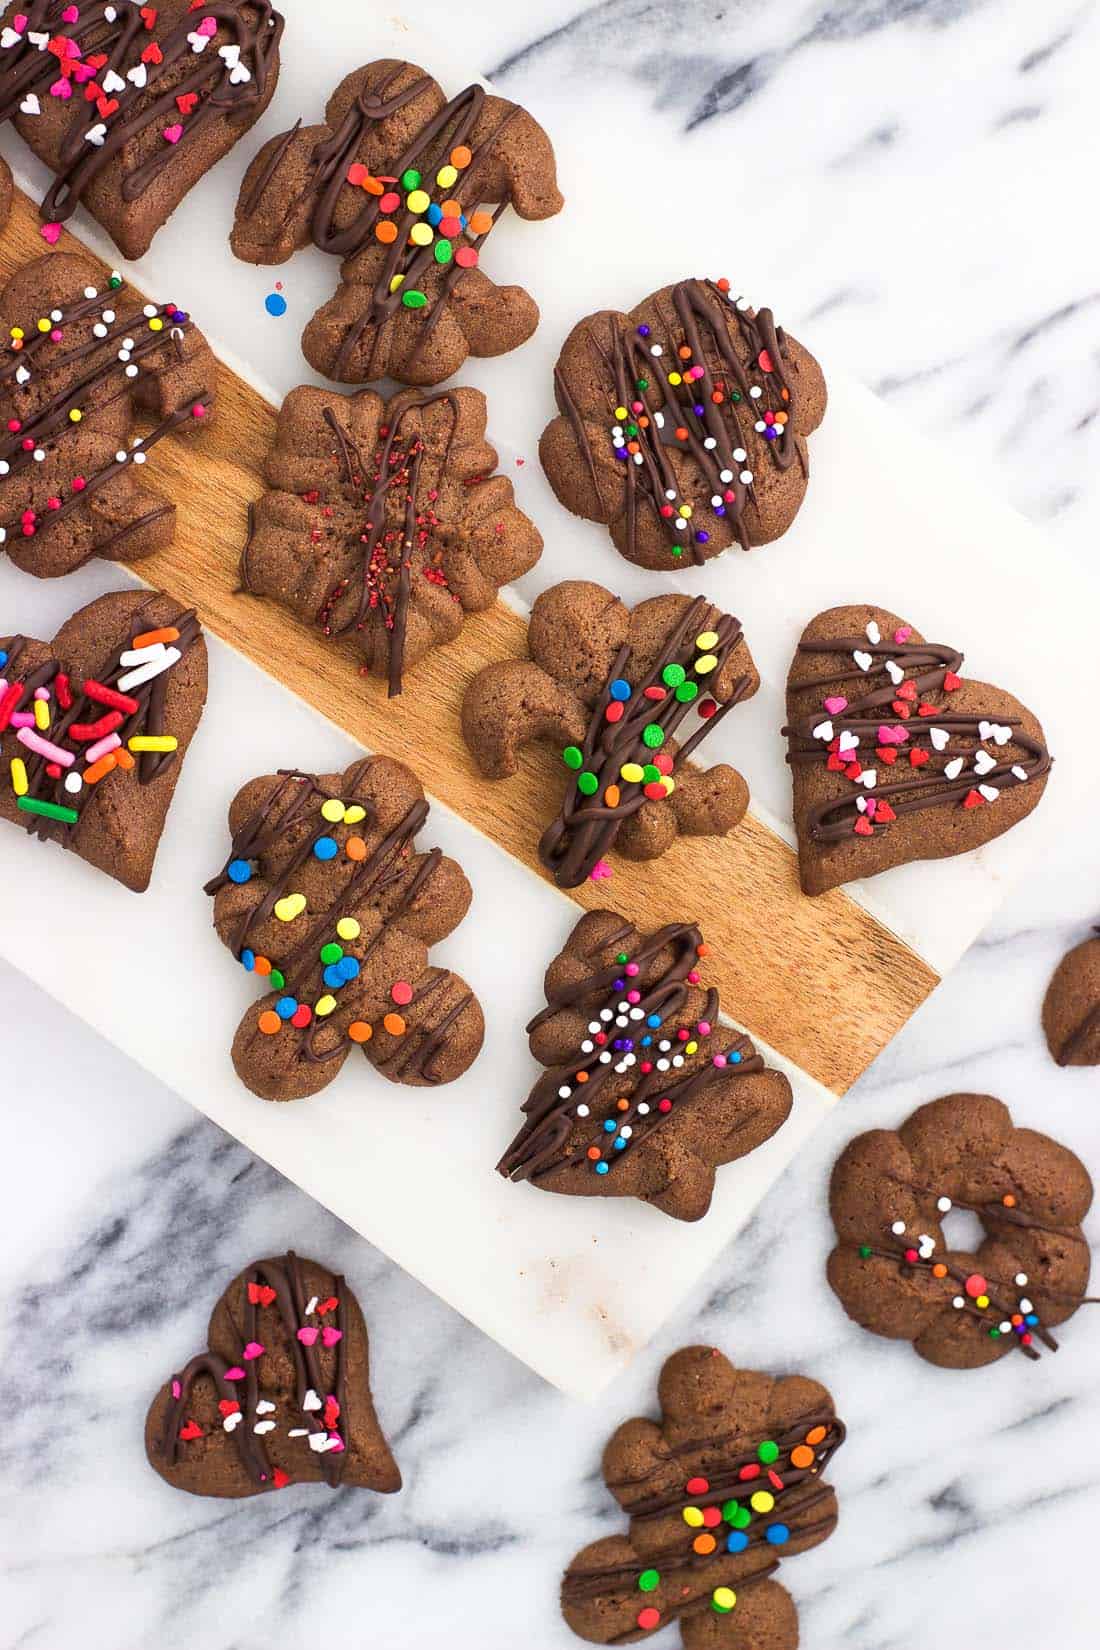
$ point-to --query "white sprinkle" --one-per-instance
(73, 783)
(643, 1109)
(943, 1204)
(311, 1400)
(895, 672)
(898, 1228)
(145, 673)
(863, 660)
(564, 1092)
(874, 634)
(954, 768)
(582, 1111)
(264, 1426)
(983, 762)
(940, 738)
(1021, 1279)
(1025, 1305)
(990, 792)
(1021, 774)
(232, 1421)
(745, 478)
(756, 392)
(265, 1407)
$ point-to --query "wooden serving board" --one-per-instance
(776, 956)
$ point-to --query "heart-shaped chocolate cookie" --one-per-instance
(895, 755)
(281, 1395)
(95, 724)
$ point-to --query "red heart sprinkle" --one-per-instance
(148, 16)
(907, 690)
(152, 53)
(835, 764)
(917, 758)
(228, 1406)
(187, 102)
(329, 1305)
(863, 827)
(259, 1294)
(973, 799)
(279, 1477)
(92, 91)
(98, 61)
(900, 708)
(885, 812)
(106, 105)
(951, 682)
(887, 754)
(190, 1431)
(927, 710)
(853, 770)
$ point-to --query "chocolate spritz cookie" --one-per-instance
(7, 190)
(644, 1094)
(728, 1483)
(894, 1268)
(613, 690)
(682, 426)
(325, 898)
(405, 186)
(894, 755)
(131, 105)
(1071, 1008)
(281, 1394)
(387, 524)
(81, 356)
(95, 724)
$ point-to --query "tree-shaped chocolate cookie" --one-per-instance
(94, 727)
(644, 1094)
(627, 697)
(728, 1483)
(325, 898)
(131, 105)
(682, 425)
(387, 524)
(894, 755)
(80, 357)
(281, 1394)
(405, 185)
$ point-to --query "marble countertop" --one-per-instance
(918, 172)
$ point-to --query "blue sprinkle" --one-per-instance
(462, 219)
(434, 214)
(333, 977)
(248, 959)
(601, 1168)
(285, 1007)
(646, 1042)
(653, 1020)
(1032, 1318)
(325, 847)
(275, 303)
(620, 689)
(736, 1541)
(610, 1126)
(348, 968)
(621, 452)
(770, 433)
(777, 1534)
(735, 1057)
(3, 658)
(620, 1144)
(239, 870)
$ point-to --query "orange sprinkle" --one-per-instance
(786, 394)
(702, 950)
(582, 1077)
(803, 1456)
(704, 1544)
(643, 423)
(262, 965)
(360, 1031)
(632, 446)
(394, 1024)
(150, 638)
(611, 796)
(269, 1022)
(385, 232)
(593, 1153)
(124, 760)
(481, 223)
(355, 848)
(451, 209)
(681, 434)
(1008, 1200)
(684, 352)
(372, 185)
(99, 770)
(717, 397)
(623, 1105)
(461, 157)
(16, 343)
(939, 1270)
(781, 418)
(816, 1436)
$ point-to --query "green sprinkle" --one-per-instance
(649, 1581)
(686, 692)
(994, 1334)
(641, 383)
(737, 396)
(622, 957)
(587, 784)
(676, 549)
(331, 953)
(443, 253)
(115, 282)
(673, 675)
(865, 1251)
(653, 735)
(49, 810)
(768, 1452)
(741, 1519)
(573, 756)
(410, 179)
(730, 1511)
(650, 774)
(413, 300)
(276, 979)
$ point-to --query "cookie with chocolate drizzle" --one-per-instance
(727, 1484)
(1071, 1007)
(627, 697)
(7, 189)
(81, 356)
(94, 727)
(130, 106)
(386, 524)
(644, 1093)
(326, 899)
(405, 186)
(682, 425)
(896, 756)
(894, 1268)
(280, 1395)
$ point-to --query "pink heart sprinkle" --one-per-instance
(61, 88)
(51, 232)
(871, 806)
(234, 1374)
(70, 15)
(208, 26)
(19, 22)
(600, 871)
(892, 736)
(336, 1443)
(307, 1335)
(177, 1390)
(82, 72)
(172, 134)
(330, 1336)
(253, 1350)
(903, 633)
(835, 703)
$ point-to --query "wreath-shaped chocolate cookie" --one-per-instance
(80, 356)
(95, 725)
(281, 1394)
(682, 426)
(894, 755)
(728, 1483)
(645, 1094)
(894, 1269)
(614, 689)
(405, 186)
(326, 900)
(129, 104)
(387, 524)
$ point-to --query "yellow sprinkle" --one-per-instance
(446, 176)
(396, 282)
(706, 664)
(333, 810)
(44, 325)
(631, 772)
(153, 742)
(982, 1302)
(762, 1502)
(347, 928)
(691, 1048)
(290, 906)
(354, 814)
(620, 412)
(693, 1516)
(418, 200)
(324, 1005)
(41, 715)
(724, 1597)
(707, 640)
(18, 776)
(156, 324)
(17, 332)
(75, 415)
(686, 510)
(669, 784)
(421, 234)
(675, 378)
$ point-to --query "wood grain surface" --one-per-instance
(819, 979)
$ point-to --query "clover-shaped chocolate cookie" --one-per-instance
(388, 525)
(280, 1396)
(130, 105)
(325, 898)
(404, 186)
(644, 1094)
(95, 724)
(79, 357)
(615, 689)
(894, 755)
(894, 1267)
(728, 1482)
(682, 426)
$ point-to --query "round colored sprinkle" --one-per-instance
(649, 1581)
(275, 303)
(587, 784)
(736, 1541)
(324, 1005)
(777, 1534)
(653, 736)
(401, 992)
(348, 928)
(331, 953)
(673, 675)
(573, 756)
(693, 1517)
(326, 847)
(707, 640)
(285, 1007)
(816, 1435)
(723, 1600)
(632, 772)
(762, 1501)
(360, 1031)
(461, 157)
(694, 1486)
(394, 1024)
(686, 692)
(649, 1618)
(706, 664)
(413, 300)
(704, 1544)
(410, 179)
(768, 1452)
(802, 1456)
(332, 809)
(239, 870)
(269, 1022)
(355, 848)
(619, 689)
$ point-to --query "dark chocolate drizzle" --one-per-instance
(285, 1277)
(574, 843)
(926, 665)
(251, 25)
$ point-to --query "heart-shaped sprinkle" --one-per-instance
(260, 1294)
(172, 134)
(824, 730)
(990, 792)
(887, 754)
(233, 1421)
(330, 1335)
(902, 634)
(186, 102)
(177, 1390)
(106, 106)
(137, 76)
(869, 779)
(834, 704)
(280, 1479)
(972, 800)
(228, 1406)
(235, 1374)
(954, 768)
(892, 736)
(895, 672)
(189, 1431)
(863, 827)
(113, 82)
(152, 53)
(940, 738)
(951, 682)
(30, 105)
(884, 813)
(328, 1305)
(61, 89)
(917, 757)
(983, 762)
(265, 1407)
(70, 15)
(96, 134)
(264, 1426)
(874, 634)
(307, 1334)
(253, 1350)
(311, 1401)
(863, 660)
(1020, 773)
(848, 742)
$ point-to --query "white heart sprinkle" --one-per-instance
(990, 792)
(940, 738)
(311, 1400)
(849, 741)
(96, 134)
(138, 75)
(233, 1420)
(264, 1426)
(861, 804)
(30, 105)
(895, 672)
(39, 40)
(109, 14)
(983, 762)
(238, 75)
(113, 82)
(265, 1407)
(197, 42)
(863, 660)
(1020, 773)
(824, 730)
(869, 778)
(10, 38)
(954, 768)
(318, 1441)
(230, 53)
(874, 634)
